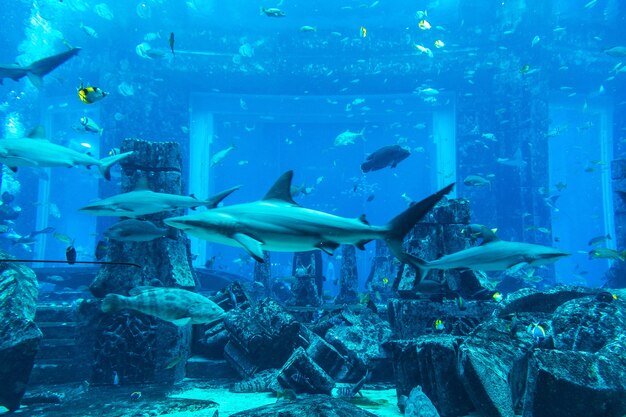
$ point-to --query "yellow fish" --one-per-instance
(439, 325)
(497, 297)
(423, 24)
(89, 95)
(439, 44)
(363, 32)
(385, 281)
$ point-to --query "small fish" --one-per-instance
(286, 395)
(70, 254)
(598, 240)
(370, 198)
(476, 181)
(423, 24)
(220, 155)
(116, 378)
(307, 28)
(606, 253)
(363, 32)
(102, 248)
(497, 297)
(439, 326)
(460, 302)
(439, 44)
(424, 50)
(272, 12)
(89, 31)
(90, 94)
(591, 4)
(525, 69)
(90, 126)
(174, 361)
(172, 43)
(63, 238)
(135, 395)
(535, 41)
(385, 281)
(538, 333)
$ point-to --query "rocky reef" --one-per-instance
(19, 335)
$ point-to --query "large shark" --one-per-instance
(38, 69)
(142, 201)
(493, 254)
(35, 151)
(277, 223)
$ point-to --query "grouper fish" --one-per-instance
(175, 305)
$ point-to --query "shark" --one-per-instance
(38, 69)
(278, 223)
(493, 254)
(142, 201)
(35, 151)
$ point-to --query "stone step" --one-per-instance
(202, 368)
(56, 349)
(54, 312)
(58, 371)
(57, 330)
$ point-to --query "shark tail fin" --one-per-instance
(109, 161)
(213, 201)
(400, 225)
(112, 302)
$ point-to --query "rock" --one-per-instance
(575, 384)
(360, 337)
(492, 366)
(302, 374)
(419, 405)
(263, 335)
(413, 318)
(307, 405)
(530, 300)
(587, 325)
(19, 336)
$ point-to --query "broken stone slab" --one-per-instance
(307, 405)
(575, 384)
(413, 318)
(588, 324)
(265, 334)
(302, 374)
(328, 358)
(492, 367)
(360, 337)
(19, 335)
(530, 300)
(419, 405)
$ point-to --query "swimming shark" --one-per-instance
(278, 223)
(493, 254)
(35, 151)
(142, 201)
(36, 70)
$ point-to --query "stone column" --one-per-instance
(307, 268)
(134, 346)
(263, 273)
(348, 276)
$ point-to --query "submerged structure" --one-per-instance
(212, 293)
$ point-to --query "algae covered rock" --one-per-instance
(19, 336)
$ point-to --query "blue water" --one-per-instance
(281, 96)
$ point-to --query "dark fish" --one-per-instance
(370, 198)
(101, 249)
(172, 43)
(70, 254)
(387, 156)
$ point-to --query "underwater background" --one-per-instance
(520, 103)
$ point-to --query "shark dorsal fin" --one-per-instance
(142, 184)
(37, 133)
(281, 190)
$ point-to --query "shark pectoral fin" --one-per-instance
(182, 322)
(361, 244)
(251, 245)
(516, 267)
(327, 247)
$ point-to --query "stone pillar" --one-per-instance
(348, 276)
(615, 277)
(263, 273)
(307, 268)
(383, 271)
(134, 346)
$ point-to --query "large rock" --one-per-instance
(308, 405)
(575, 384)
(19, 336)
(360, 337)
(419, 405)
(530, 300)
(492, 366)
